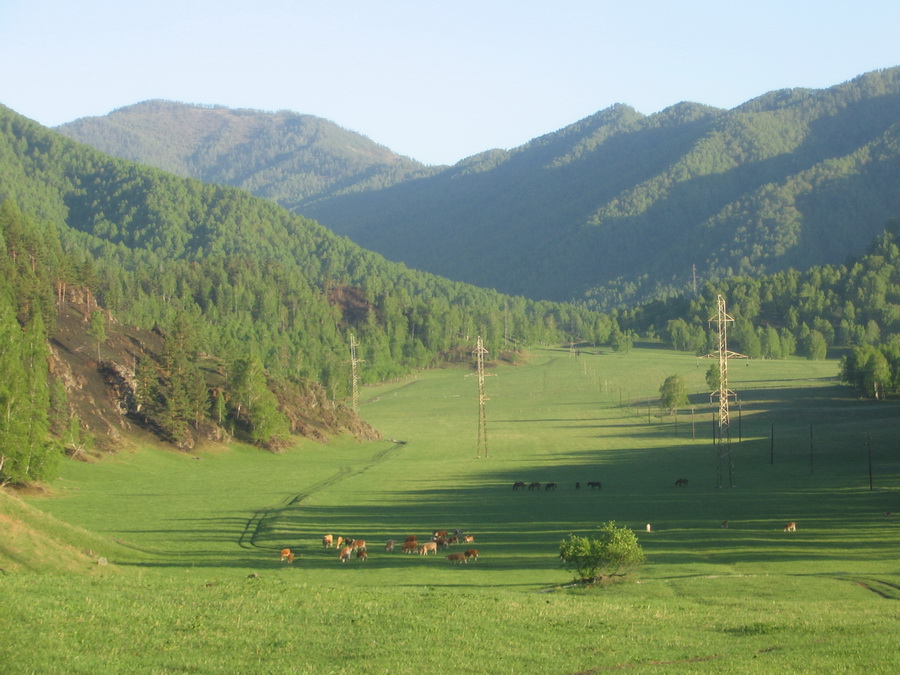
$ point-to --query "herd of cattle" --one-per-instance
(440, 539)
(594, 484)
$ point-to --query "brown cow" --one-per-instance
(338, 542)
(439, 534)
(534, 486)
(362, 555)
(681, 482)
(410, 546)
(518, 484)
(790, 527)
(356, 544)
(290, 558)
(345, 554)
(389, 546)
(428, 546)
(411, 537)
(285, 552)
(550, 486)
(457, 557)
(469, 538)
(471, 553)
(327, 541)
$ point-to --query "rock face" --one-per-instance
(101, 393)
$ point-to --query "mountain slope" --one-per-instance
(283, 156)
(619, 206)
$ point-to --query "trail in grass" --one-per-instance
(257, 523)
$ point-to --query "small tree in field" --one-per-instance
(614, 552)
(673, 393)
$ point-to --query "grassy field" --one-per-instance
(195, 583)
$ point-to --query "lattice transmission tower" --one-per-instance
(481, 444)
(724, 455)
(353, 373)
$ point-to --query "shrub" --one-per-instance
(614, 552)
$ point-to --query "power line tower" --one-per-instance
(723, 443)
(481, 445)
(353, 377)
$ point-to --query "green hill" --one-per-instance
(616, 208)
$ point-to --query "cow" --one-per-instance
(410, 546)
(457, 557)
(327, 541)
(595, 484)
(725, 524)
(471, 553)
(442, 543)
(518, 484)
(356, 544)
(428, 546)
(389, 546)
(338, 542)
(411, 537)
(681, 482)
(534, 486)
(790, 527)
(362, 555)
(285, 552)
(469, 538)
(345, 554)
(550, 486)
(439, 534)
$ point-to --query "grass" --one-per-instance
(201, 587)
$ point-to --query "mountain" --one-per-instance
(621, 206)
(283, 156)
(130, 297)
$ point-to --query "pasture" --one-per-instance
(196, 582)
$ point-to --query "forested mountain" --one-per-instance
(252, 307)
(619, 206)
(284, 156)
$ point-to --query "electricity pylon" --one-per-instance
(481, 444)
(354, 381)
(723, 444)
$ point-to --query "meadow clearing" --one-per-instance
(195, 583)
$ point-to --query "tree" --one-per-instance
(673, 393)
(97, 330)
(614, 552)
(714, 377)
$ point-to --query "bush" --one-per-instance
(615, 552)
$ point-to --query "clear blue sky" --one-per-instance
(437, 81)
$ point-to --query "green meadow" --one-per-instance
(195, 582)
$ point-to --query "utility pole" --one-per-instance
(353, 377)
(723, 448)
(481, 445)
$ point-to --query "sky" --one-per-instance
(435, 81)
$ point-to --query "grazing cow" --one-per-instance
(410, 546)
(285, 552)
(327, 541)
(411, 537)
(290, 559)
(681, 482)
(361, 554)
(471, 553)
(345, 553)
(439, 534)
(550, 486)
(428, 546)
(534, 486)
(457, 557)
(453, 540)
(725, 524)
(389, 546)
(595, 484)
(442, 543)
(518, 484)
(338, 542)
(469, 538)
(357, 544)
(790, 527)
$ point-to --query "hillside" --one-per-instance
(619, 206)
(284, 156)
